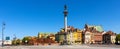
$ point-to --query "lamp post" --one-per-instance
(3, 27)
(26, 42)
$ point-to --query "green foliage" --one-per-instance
(16, 42)
(118, 37)
(26, 39)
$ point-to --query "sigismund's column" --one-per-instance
(65, 23)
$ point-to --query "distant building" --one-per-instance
(70, 39)
(109, 37)
(59, 37)
(52, 36)
(6, 42)
(74, 36)
(46, 38)
(97, 38)
(43, 35)
(87, 37)
(92, 34)
(78, 36)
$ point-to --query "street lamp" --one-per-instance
(26, 42)
(3, 27)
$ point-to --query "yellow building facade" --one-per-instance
(43, 35)
(74, 37)
(52, 36)
(77, 37)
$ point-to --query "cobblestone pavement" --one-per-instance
(111, 46)
(61, 47)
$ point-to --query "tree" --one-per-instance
(117, 38)
(26, 40)
(16, 42)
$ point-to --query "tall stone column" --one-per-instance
(65, 24)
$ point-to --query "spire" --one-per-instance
(86, 25)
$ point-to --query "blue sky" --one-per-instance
(28, 17)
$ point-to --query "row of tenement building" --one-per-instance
(89, 35)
